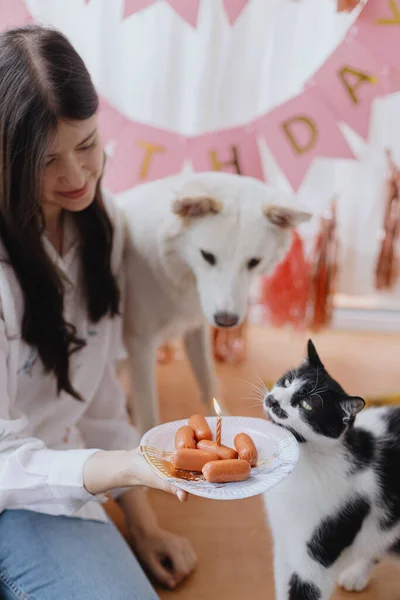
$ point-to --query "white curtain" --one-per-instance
(158, 70)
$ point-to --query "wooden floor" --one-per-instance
(232, 538)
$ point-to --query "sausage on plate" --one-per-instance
(201, 428)
(246, 448)
(224, 452)
(188, 459)
(184, 437)
(224, 471)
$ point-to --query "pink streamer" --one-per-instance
(301, 130)
(378, 28)
(13, 14)
(188, 10)
(143, 153)
(133, 6)
(233, 150)
(350, 80)
(233, 9)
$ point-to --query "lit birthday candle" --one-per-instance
(219, 423)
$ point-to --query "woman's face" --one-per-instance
(74, 163)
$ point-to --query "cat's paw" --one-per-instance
(355, 578)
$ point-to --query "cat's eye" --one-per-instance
(253, 263)
(304, 403)
(286, 382)
(313, 402)
(209, 257)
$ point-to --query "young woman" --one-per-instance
(65, 438)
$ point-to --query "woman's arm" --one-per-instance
(106, 425)
(107, 470)
(33, 476)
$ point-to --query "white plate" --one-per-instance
(278, 453)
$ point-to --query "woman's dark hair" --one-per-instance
(42, 81)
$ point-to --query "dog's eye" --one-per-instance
(253, 263)
(286, 382)
(208, 257)
(304, 403)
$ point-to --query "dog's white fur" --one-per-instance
(171, 291)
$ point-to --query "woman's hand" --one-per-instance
(107, 470)
(168, 557)
(144, 475)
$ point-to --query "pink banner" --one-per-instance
(133, 6)
(13, 13)
(296, 132)
(111, 121)
(143, 153)
(187, 10)
(350, 80)
(378, 28)
(299, 131)
(233, 150)
(233, 8)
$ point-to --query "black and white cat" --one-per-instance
(338, 513)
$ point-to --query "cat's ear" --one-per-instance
(351, 406)
(312, 355)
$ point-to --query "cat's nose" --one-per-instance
(269, 400)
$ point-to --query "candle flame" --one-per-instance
(216, 407)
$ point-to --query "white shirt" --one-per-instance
(45, 439)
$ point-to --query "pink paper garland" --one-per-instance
(233, 9)
(297, 132)
(187, 9)
(13, 14)
(301, 129)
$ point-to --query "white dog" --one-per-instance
(194, 244)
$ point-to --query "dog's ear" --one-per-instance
(195, 201)
(285, 217)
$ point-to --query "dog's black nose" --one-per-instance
(225, 319)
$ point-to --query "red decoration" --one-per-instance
(347, 5)
(324, 272)
(386, 271)
(286, 292)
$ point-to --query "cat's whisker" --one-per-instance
(257, 389)
(258, 398)
(262, 383)
(255, 405)
(316, 383)
(323, 389)
(320, 391)
(260, 380)
(255, 396)
(315, 390)
(247, 382)
(257, 393)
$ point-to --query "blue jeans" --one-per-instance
(43, 557)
